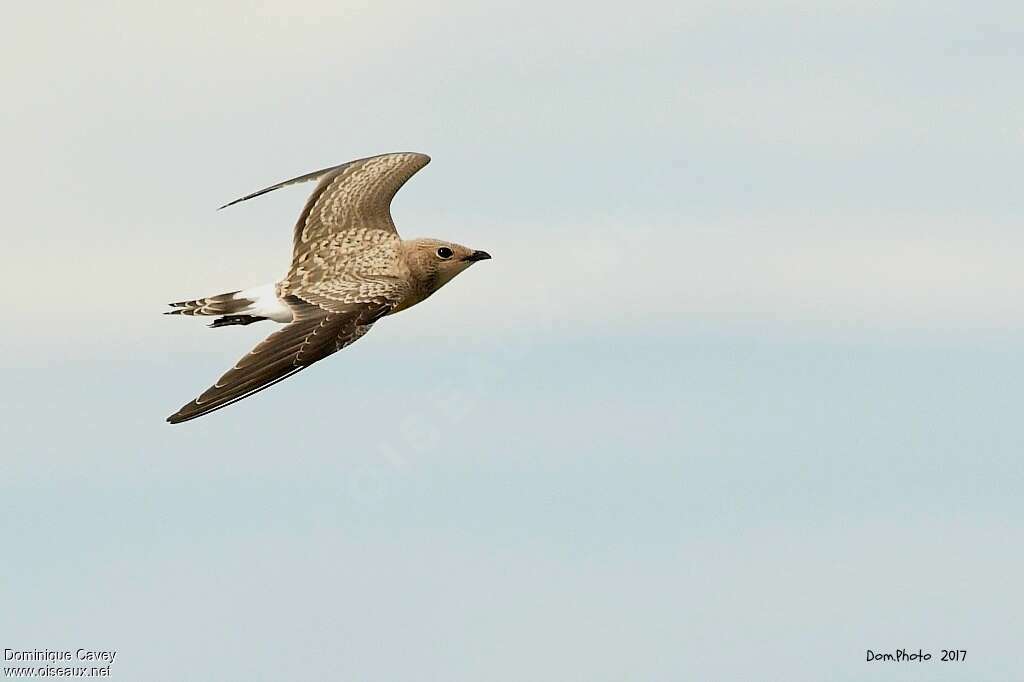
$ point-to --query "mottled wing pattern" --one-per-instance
(338, 294)
(354, 199)
(314, 334)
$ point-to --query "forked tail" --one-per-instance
(237, 307)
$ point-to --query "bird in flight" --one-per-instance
(349, 269)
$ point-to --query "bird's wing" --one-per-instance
(338, 294)
(314, 334)
(352, 199)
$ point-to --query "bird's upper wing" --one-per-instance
(350, 202)
(314, 334)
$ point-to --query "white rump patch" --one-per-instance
(265, 303)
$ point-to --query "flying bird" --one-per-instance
(349, 269)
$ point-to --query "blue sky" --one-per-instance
(737, 397)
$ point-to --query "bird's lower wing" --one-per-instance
(314, 334)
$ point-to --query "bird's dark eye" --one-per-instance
(445, 253)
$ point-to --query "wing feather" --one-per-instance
(349, 196)
(313, 335)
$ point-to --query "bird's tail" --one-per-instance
(222, 304)
(237, 307)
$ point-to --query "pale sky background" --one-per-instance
(738, 397)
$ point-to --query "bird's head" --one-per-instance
(434, 262)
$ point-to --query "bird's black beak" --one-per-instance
(477, 255)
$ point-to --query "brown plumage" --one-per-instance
(349, 269)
